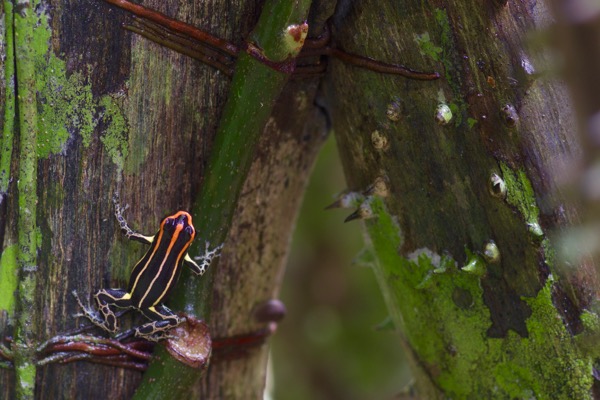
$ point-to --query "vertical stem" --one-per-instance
(6, 144)
(254, 90)
(9, 100)
(26, 187)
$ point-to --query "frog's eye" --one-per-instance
(169, 221)
(189, 230)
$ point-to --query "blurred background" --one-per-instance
(328, 346)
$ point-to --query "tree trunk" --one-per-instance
(116, 113)
(469, 191)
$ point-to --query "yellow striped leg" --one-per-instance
(130, 233)
(163, 320)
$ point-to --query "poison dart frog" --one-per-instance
(152, 278)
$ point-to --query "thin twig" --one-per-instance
(233, 347)
(385, 68)
(204, 48)
(309, 71)
(78, 342)
(119, 361)
(176, 25)
(187, 51)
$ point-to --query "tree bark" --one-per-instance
(472, 166)
(118, 113)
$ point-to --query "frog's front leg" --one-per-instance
(200, 263)
(130, 233)
(105, 317)
(163, 320)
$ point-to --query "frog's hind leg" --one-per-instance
(163, 320)
(105, 298)
(105, 318)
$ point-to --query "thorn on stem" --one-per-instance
(363, 212)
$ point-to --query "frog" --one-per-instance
(153, 278)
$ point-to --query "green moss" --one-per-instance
(448, 50)
(444, 321)
(520, 194)
(38, 234)
(590, 337)
(427, 48)
(516, 381)
(552, 352)
(590, 320)
(114, 137)
(65, 103)
(66, 106)
(8, 278)
(27, 382)
(454, 108)
(439, 308)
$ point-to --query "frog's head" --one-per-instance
(180, 224)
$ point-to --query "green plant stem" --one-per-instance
(24, 349)
(254, 89)
(7, 268)
(9, 99)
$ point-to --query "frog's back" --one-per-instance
(157, 272)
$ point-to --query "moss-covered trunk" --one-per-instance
(113, 112)
(471, 166)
